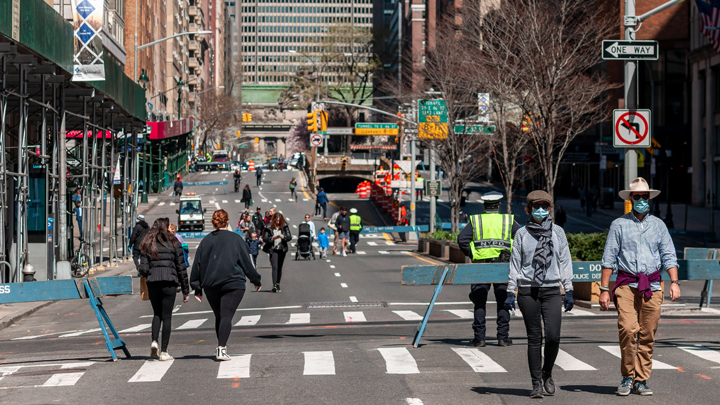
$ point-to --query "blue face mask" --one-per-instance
(540, 213)
(641, 206)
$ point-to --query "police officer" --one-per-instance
(355, 228)
(488, 239)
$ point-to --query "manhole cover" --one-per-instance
(311, 305)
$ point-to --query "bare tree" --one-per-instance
(299, 138)
(214, 113)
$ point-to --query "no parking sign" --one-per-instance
(631, 128)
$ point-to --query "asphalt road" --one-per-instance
(339, 333)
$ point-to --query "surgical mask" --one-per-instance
(540, 213)
(641, 206)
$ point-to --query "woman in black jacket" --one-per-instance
(247, 196)
(222, 261)
(276, 237)
(163, 264)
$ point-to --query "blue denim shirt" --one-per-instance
(639, 247)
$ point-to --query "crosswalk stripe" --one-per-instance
(390, 243)
(580, 312)
(409, 315)
(398, 360)
(224, 201)
(413, 401)
(568, 362)
(319, 363)
(299, 318)
(479, 361)
(353, 298)
(237, 201)
(237, 367)
(160, 204)
(193, 324)
(172, 204)
(151, 371)
(248, 320)
(343, 285)
(137, 328)
(383, 252)
(462, 313)
(702, 352)
(278, 200)
(656, 364)
(354, 316)
(337, 274)
(372, 243)
(63, 379)
(82, 332)
(360, 252)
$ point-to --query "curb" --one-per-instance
(4, 324)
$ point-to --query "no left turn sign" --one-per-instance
(631, 128)
(316, 140)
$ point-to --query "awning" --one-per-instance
(369, 147)
(168, 129)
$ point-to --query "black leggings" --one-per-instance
(224, 304)
(162, 298)
(277, 258)
(541, 305)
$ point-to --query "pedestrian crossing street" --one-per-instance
(401, 360)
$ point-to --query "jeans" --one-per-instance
(162, 298)
(79, 221)
(277, 258)
(354, 239)
(136, 258)
(293, 194)
(259, 180)
(324, 208)
(247, 204)
(254, 257)
(224, 304)
(541, 305)
(479, 296)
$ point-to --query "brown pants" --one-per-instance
(335, 243)
(638, 319)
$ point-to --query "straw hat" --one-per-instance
(639, 185)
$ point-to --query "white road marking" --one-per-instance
(211, 202)
(568, 362)
(248, 320)
(137, 328)
(237, 367)
(299, 318)
(413, 401)
(656, 364)
(294, 226)
(177, 308)
(479, 361)
(383, 252)
(239, 309)
(461, 313)
(579, 312)
(76, 365)
(354, 316)
(305, 199)
(409, 315)
(160, 204)
(327, 261)
(398, 360)
(171, 193)
(278, 200)
(360, 252)
(343, 285)
(224, 201)
(390, 243)
(63, 379)
(332, 266)
(702, 352)
(193, 324)
(372, 243)
(172, 203)
(291, 200)
(337, 274)
(437, 303)
(353, 298)
(319, 363)
(82, 332)
(39, 336)
(217, 205)
(237, 201)
(264, 200)
(151, 371)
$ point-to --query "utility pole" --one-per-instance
(412, 171)
(433, 199)
(630, 91)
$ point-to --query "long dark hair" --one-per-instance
(275, 217)
(159, 232)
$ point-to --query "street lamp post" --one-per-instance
(137, 48)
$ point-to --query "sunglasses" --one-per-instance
(637, 197)
(543, 205)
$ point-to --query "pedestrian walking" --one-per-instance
(560, 217)
(322, 201)
(245, 226)
(323, 243)
(293, 191)
(258, 175)
(336, 235)
(342, 223)
(186, 251)
(222, 265)
(309, 221)
(258, 222)
(355, 228)
(539, 264)
(488, 238)
(178, 187)
(162, 263)
(254, 245)
(638, 248)
(136, 237)
(277, 236)
(247, 196)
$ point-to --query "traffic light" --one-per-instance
(312, 121)
(238, 133)
(247, 117)
(344, 163)
(399, 121)
(323, 120)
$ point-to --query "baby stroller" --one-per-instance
(304, 243)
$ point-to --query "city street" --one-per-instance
(340, 332)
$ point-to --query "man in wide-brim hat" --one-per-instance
(638, 248)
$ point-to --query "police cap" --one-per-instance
(492, 196)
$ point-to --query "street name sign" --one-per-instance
(367, 128)
(339, 131)
(316, 140)
(433, 188)
(432, 119)
(629, 50)
(631, 128)
(474, 129)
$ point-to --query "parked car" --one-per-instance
(235, 165)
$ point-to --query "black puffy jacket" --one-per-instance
(168, 266)
(138, 234)
(267, 238)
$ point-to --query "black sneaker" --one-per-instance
(505, 342)
(477, 343)
(278, 287)
(537, 391)
(274, 289)
(548, 383)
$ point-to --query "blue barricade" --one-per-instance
(206, 183)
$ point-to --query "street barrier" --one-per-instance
(206, 183)
(86, 288)
(688, 269)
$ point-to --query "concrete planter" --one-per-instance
(421, 245)
(455, 255)
(438, 248)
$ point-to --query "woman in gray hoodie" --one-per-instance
(539, 264)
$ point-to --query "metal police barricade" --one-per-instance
(365, 230)
(82, 288)
(689, 268)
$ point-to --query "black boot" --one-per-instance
(477, 343)
(548, 383)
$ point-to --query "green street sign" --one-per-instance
(367, 128)
(474, 129)
(243, 146)
(433, 188)
(432, 111)
(372, 125)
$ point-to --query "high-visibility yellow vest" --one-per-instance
(492, 234)
(355, 222)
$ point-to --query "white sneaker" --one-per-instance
(344, 254)
(164, 356)
(154, 350)
(222, 354)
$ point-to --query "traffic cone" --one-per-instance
(251, 165)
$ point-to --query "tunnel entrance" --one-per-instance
(340, 184)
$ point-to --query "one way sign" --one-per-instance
(629, 50)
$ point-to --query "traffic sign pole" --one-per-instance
(630, 92)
